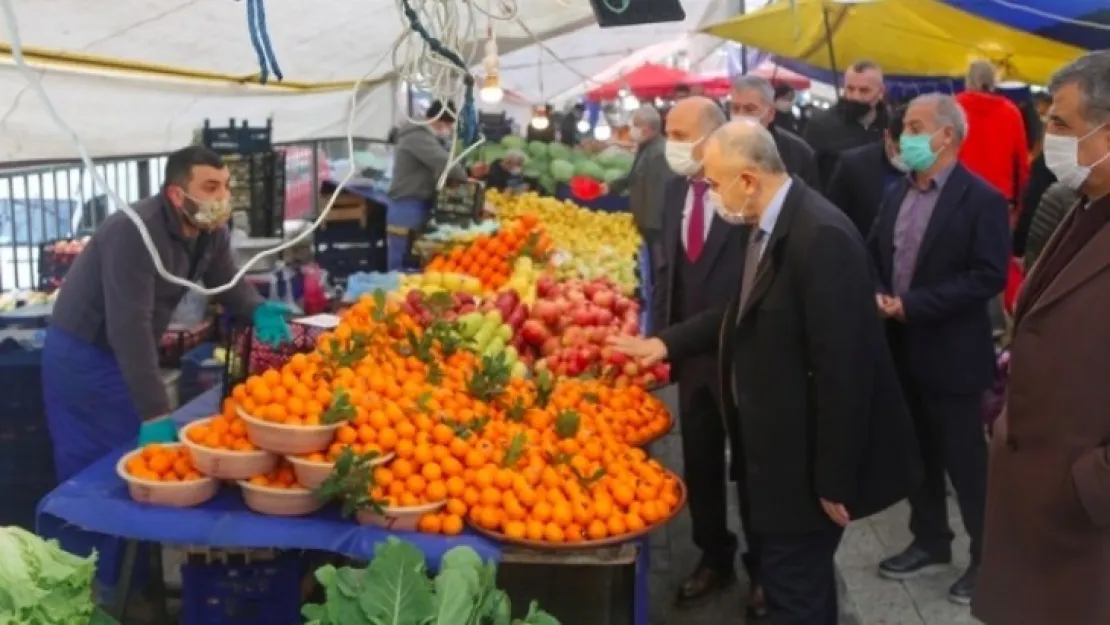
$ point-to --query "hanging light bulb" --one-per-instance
(491, 91)
(539, 118)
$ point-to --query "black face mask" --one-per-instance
(854, 110)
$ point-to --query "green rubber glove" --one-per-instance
(160, 430)
(269, 323)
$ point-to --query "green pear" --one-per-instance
(494, 347)
(494, 317)
(505, 332)
(484, 336)
(519, 370)
(470, 324)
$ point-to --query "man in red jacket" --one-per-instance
(995, 147)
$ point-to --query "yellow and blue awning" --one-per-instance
(908, 38)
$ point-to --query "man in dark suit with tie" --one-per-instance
(702, 257)
(817, 426)
(862, 175)
(753, 97)
(940, 248)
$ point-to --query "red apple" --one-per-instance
(617, 359)
(517, 317)
(604, 299)
(535, 332)
(631, 369)
(546, 286)
(603, 316)
(546, 311)
(661, 371)
(550, 346)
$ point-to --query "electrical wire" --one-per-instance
(434, 51)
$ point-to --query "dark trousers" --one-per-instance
(950, 432)
(706, 473)
(799, 577)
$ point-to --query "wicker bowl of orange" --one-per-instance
(164, 475)
(220, 448)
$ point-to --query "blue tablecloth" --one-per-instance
(96, 500)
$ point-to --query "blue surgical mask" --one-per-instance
(917, 153)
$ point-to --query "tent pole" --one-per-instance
(832, 52)
(743, 48)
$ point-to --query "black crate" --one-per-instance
(26, 451)
(238, 139)
(460, 204)
(258, 189)
(343, 247)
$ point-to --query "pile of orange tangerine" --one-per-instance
(158, 463)
(555, 464)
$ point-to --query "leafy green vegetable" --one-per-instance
(394, 590)
(40, 583)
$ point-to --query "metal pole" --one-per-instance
(743, 48)
(832, 52)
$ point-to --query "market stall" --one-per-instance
(474, 403)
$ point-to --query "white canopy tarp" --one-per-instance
(119, 113)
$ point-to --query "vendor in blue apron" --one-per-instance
(100, 374)
(421, 155)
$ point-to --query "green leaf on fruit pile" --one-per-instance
(422, 401)
(439, 303)
(593, 398)
(558, 458)
(340, 409)
(516, 411)
(421, 346)
(396, 589)
(488, 382)
(434, 375)
(515, 450)
(379, 314)
(567, 424)
(350, 482)
(586, 481)
(545, 386)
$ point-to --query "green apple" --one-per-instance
(511, 355)
(505, 332)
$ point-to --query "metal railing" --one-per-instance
(44, 203)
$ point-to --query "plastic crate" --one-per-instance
(241, 592)
(460, 204)
(199, 372)
(26, 451)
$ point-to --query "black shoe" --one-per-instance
(911, 563)
(960, 592)
(705, 583)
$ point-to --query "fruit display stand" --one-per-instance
(440, 411)
(97, 501)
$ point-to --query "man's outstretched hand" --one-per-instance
(647, 351)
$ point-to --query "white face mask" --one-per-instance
(743, 216)
(680, 157)
(1061, 156)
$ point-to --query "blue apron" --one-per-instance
(408, 214)
(90, 414)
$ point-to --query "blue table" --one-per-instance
(96, 500)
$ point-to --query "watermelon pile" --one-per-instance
(555, 163)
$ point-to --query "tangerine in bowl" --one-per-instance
(312, 469)
(164, 475)
(277, 493)
(220, 448)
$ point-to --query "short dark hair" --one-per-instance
(180, 164)
(1042, 97)
(864, 65)
(442, 111)
(1090, 73)
(782, 90)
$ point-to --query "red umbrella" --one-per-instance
(645, 82)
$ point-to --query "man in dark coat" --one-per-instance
(753, 97)
(858, 118)
(862, 175)
(816, 422)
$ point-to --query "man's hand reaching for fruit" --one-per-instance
(646, 351)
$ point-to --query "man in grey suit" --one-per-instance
(646, 183)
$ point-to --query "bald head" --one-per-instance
(743, 165)
(692, 120)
